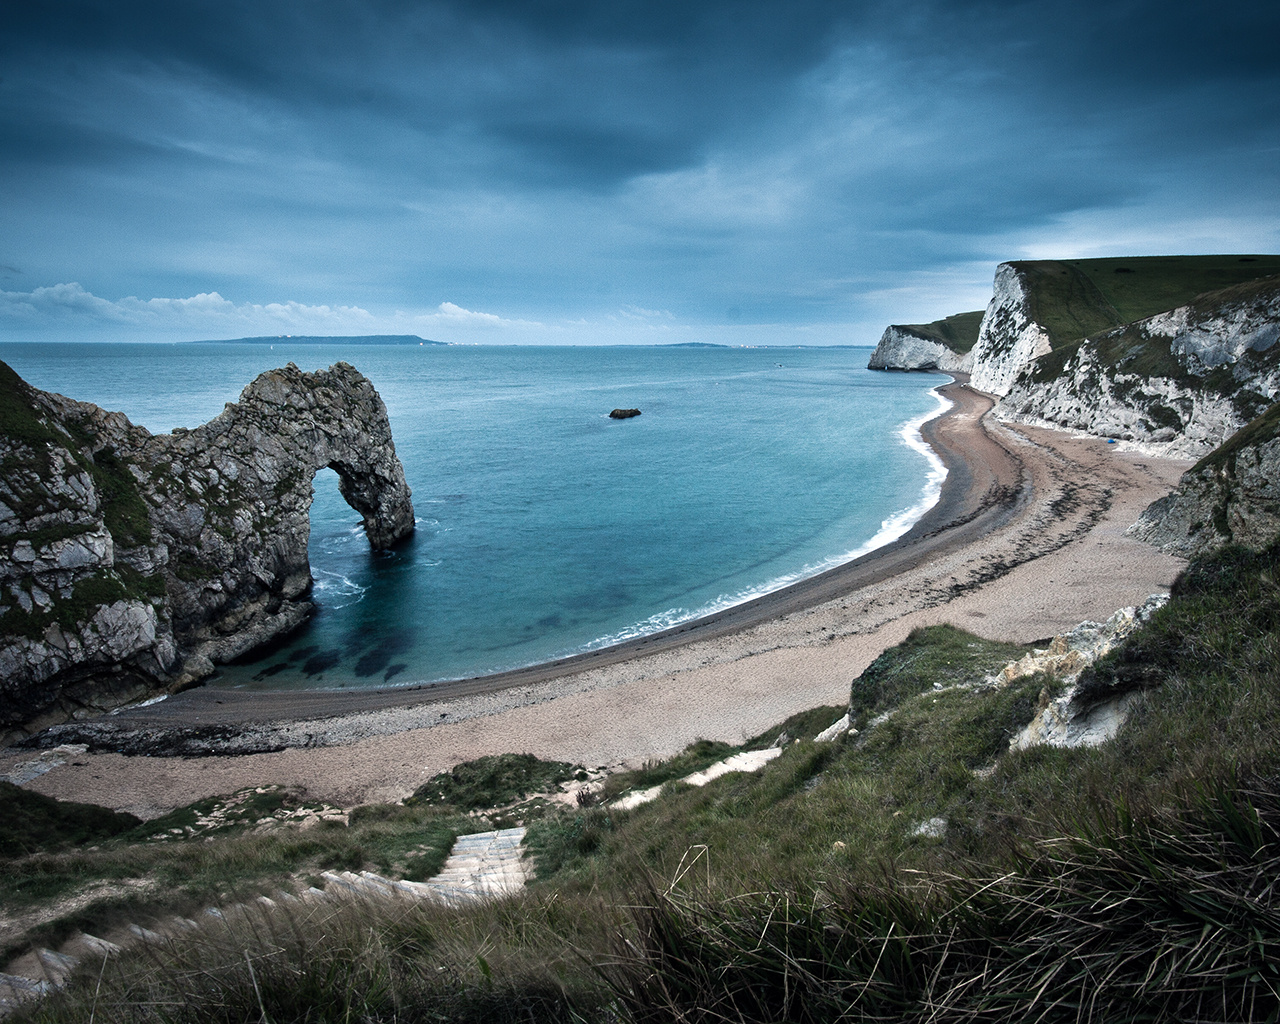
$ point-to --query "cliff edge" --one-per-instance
(942, 345)
(1187, 378)
(131, 563)
(1230, 496)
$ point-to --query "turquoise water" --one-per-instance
(544, 527)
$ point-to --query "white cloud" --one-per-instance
(450, 313)
(208, 312)
(646, 315)
(70, 307)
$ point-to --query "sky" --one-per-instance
(608, 171)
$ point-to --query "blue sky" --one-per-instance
(591, 172)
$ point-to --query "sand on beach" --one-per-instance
(1027, 541)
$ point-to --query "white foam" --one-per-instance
(334, 587)
(890, 530)
(140, 704)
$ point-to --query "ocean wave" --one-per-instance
(336, 590)
(890, 530)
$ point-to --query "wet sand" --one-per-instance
(1025, 541)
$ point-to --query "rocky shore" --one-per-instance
(1028, 541)
(131, 563)
(1031, 535)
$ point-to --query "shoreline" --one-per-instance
(1027, 542)
(970, 500)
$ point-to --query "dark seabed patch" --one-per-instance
(317, 663)
(379, 657)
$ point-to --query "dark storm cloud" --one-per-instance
(556, 159)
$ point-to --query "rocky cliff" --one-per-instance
(1232, 495)
(1010, 336)
(941, 345)
(1042, 306)
(130, 563)
(1187, 378)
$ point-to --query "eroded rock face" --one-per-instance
(1186, 379)
(1233, 497)
(901, 348)
(130, 563)
(1010, 336)
(1071, 720)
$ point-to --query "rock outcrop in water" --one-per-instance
(131, 563)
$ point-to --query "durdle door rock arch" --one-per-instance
(131, 563)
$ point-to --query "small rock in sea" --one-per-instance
(623, 414)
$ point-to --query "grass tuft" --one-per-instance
(495, 781)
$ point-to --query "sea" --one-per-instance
(545, 528)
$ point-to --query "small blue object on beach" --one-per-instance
(1111, 440)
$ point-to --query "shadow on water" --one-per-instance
(379, 656)
(318, 663)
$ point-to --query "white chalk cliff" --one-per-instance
(1186, 379)
(904, 348)
(1010, 337)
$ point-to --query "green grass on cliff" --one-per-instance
(1074, 299)
(959, 332)
(1141, 286)
(19, 418)
(1131, 352)
(1130, 882)
(123, 510)
(495, 781)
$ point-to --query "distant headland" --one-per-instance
(307, 339)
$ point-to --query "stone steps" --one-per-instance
(485, 864)
(481, 865)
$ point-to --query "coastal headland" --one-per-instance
(1027, 539)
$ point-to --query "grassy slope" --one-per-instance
(1077, 298)
(1141, 286)
(33, 822)
(1172, 835)
(958, 332)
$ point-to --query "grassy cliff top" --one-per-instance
(1076, 298)
(1133, 351)
(958, 332)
